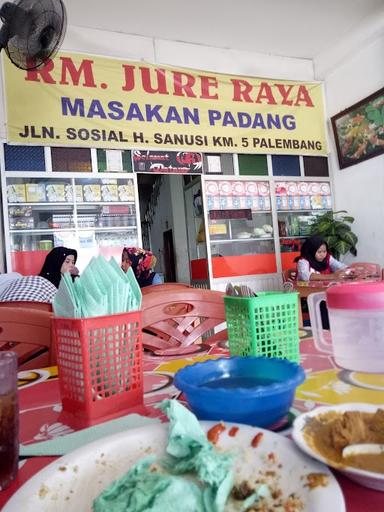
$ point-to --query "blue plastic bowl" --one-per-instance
(253, 390)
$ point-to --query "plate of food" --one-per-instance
(346, 437)
(229, 467)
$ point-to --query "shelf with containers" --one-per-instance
(92, 212)
(258, 215)
(249, 230)
(239, 217)
(298, 203)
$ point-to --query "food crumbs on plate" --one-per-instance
(277, 493)
(242, 491)
(233, 431)
(75, 469)
(43, 491)
(271, 457)
(214, 432)
(293, 503)
(62, 468)
(256, 440)
(317, 480)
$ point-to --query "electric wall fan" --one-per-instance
(32, 31)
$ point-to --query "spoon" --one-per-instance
(230, 290)
(363, 449)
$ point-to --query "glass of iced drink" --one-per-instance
(9, 419)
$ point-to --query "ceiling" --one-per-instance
(291, 28)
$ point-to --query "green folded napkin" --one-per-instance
(102, 289)
(64, 444)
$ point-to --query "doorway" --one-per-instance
(169, 257)
(170, 223)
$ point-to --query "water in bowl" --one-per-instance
(239, 382)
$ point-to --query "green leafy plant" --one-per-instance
(335, 228)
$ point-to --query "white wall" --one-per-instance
(224, 60)
(162, 221)
(359, 189)
(180, 241)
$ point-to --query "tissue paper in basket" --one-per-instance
(98, 342)
(102, 289)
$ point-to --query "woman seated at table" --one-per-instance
(316, 263)
(143, 263)
(57, 262)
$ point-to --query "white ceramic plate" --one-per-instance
(73, 481)
(366, 478)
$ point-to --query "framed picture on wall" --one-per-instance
(359, 130)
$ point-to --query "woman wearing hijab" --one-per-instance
(57, 262)
(142, 263)
(316, 262)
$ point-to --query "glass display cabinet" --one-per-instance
(96, 215)
(240, 227)
(297, 205)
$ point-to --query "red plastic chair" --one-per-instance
(27, 332)
(174, 322)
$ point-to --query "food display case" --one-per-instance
(297, 205)
(93, 215)
(255, 226)
(240, 227)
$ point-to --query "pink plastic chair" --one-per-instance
(174, 321)
(156, 288)
(27, 332)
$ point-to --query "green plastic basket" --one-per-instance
(266, 325)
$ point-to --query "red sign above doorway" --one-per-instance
(167, 162)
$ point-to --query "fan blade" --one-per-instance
(36, 32)
(4, 36)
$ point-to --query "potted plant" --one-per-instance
(335, 228)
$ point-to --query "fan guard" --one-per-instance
(33, 31)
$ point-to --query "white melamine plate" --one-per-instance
(366, 478)
(74, 480)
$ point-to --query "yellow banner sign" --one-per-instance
(89, 101)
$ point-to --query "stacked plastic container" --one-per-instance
(265, 325)
(100, 365)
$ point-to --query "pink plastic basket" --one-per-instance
(100, 365)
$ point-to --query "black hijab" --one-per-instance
(308, 252)
(53, 262)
